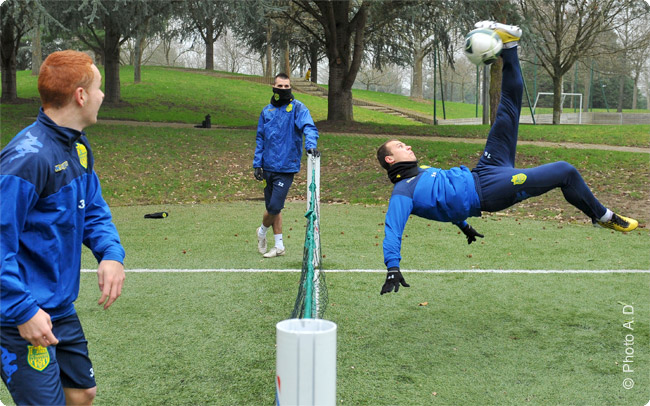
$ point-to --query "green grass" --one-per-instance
(452, 110)
(206, 235)
(173, 95)
(209, 338)
(146, 165)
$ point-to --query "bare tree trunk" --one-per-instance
(635, 90)
(557, 98)
(495, 87)
(137, 58)
(287, 62)
(37, 51)
(269, 53)
(112, 66)
(621, 89)
(416, 86)
(209, 49)
(8, 51)
(313, 61)
(339, 106)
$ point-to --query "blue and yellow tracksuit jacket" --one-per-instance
(50, 204)
(434, 194)
(279, 137)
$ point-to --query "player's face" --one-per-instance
(400, 152)
(93, 98)
(282, 83)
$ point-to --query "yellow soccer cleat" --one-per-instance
(507, 33)
(618, 223)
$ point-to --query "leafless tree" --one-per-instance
(566, 30)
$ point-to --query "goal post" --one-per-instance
(564, 95)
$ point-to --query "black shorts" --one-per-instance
(37, 375)
(276, 190)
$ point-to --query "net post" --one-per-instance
(313, 176)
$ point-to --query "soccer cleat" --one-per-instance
(261, 242)
(618, 223)
(275, 252)
(507, 33)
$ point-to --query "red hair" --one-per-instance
(61, 74)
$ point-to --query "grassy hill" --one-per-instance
(159, 165)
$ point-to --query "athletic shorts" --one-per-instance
(37, 375)
(276, 190)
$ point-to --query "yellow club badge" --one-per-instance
(289, 107)
(38, 357)
(83, 154)
(518, 179)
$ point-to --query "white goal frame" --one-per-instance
(564, 95)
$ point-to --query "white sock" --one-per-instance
(262, 231)
(607, 216)
(279, 244)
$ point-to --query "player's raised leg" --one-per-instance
(501, 145)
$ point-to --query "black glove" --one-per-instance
(259, 173)
(393, 279)
(314, 152)
(470, 233)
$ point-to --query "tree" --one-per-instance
(566, 30)
(103, 26)
(17, 20)
(344, 25)
(206, 19)
(634, 37)
(253, 23)
(419, 29)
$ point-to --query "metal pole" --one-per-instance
(478, 76)
(530, 107)
(442, 86)
(590, 105)
(435, 89)
(486, 91)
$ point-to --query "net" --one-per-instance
(312, 291)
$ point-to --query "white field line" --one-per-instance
(440, 271)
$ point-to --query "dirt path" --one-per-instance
(388, 136)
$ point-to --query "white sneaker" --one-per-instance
(261, 242)
(508, 33)
(274, 252)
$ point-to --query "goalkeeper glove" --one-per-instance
(393, 279)
(259, 173)
(470, 233)
(314, 152)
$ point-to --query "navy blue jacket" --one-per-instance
(279, 137)
(50, 204)
(434, 194)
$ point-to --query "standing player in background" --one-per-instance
(277, 156)
(494, 184)
(52, 204)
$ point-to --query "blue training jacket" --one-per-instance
(434, 194)
(50, 204)
(279, 137)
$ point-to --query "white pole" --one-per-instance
(313, 173)
(306, 362)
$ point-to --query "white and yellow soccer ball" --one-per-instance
(483, 46)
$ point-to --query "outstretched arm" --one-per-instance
(399, 210)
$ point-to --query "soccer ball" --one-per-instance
(483, 46)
